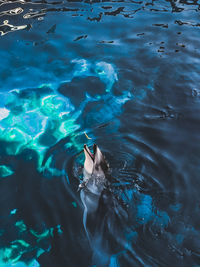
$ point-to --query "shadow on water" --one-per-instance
(126, 74)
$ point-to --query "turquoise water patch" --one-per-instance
(179, 238)
(140, 94)
(60, 231)
(33, 120)
(33, 263)
(114, 262)
(105, 71)
(12, 212)
(107, 74)
(74, 204)
(162, 219)
(4, 112)
(31, 245)
(21, 226)
(127, 195)
(5, 171)
(131, 237)
(175, 207)
(147, 212)
(56, 106)
(39, 118)
(144, 209)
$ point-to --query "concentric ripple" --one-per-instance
(149, 188)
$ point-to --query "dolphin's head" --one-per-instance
(95, 163)
(95, 169)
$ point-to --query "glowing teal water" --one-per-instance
(12, 254)
(5, 171)
(26, 121)
(38, 119)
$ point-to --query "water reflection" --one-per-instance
(39, 9)
(6, 27)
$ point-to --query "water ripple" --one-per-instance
(129, 9)
(6, 27)
(11, 12)
(126, 73)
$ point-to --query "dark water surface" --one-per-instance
(127, 74)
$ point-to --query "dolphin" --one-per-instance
(94, 178)
(95, 197)
(104, 215)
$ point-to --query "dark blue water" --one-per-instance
(126, 73)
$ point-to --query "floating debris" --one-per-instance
(87, 136)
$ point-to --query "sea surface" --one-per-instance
(125, 75)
